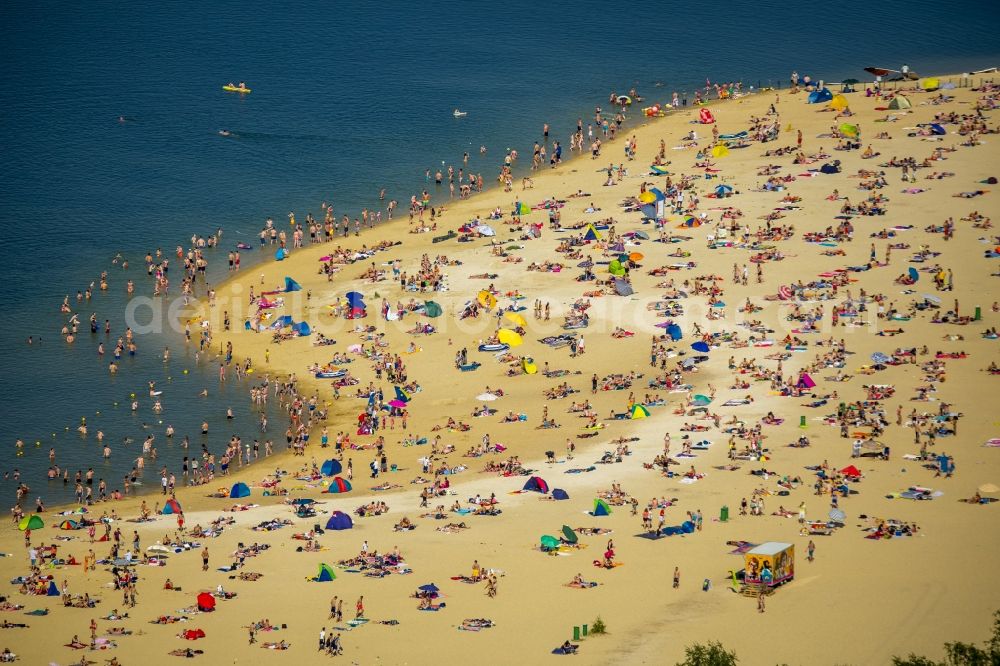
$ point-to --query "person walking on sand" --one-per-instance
(811, 550)
(333, 608)
(677, 577)
(204, 559)
(359, 608)
(760, 600)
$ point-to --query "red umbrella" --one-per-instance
(206, 602)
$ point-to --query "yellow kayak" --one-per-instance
(236, 89)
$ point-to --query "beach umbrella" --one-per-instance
(158, 549)
(430, 588)
(522, 209)
(486, 230)
(624, 99)
(912, 272)
(849, 130)
(32, 522)
(486, 397)
(988, 489)
(837, 515)
(659, 170)
(569, 535)
(720, 151)
(303, 501)
(355, 348)
(784, 292)
(642, 234)
(206, 602)
(623, 288)
(636, 256)
(355, 297)
(69, 525)
(689, 222)
(549, 542)
(647, 197)
(930, 83)
(486, 299)
(701, 400)
(397, 403)
(509, 337)
(850, 82)
(402, 394)
(638, 412)
(700, 346)
(432, 309)
(586, 263)
(516, 319)
(660, 196)
(879, 357)
(723, 190)
(674, 331)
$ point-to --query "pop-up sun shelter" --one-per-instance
(537, 484)
(331, 468)
(770, 564)
(818, 96)
(899, 103)
(339, 485)
(339, 521)
(324, 574)
(560, 494)
(592, 233)
(239, 490)
(32, 522)
(171, 507)
(601, 508)
(292, 285)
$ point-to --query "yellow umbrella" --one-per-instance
(720, 151)
(839, 102)
(486, 299)
(517, 319)
(647, 197)
(930, 84)
(509, 337)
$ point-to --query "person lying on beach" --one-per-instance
(280, 645)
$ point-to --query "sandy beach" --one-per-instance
(769, 379)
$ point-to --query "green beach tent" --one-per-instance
(549, 542)
(569, 535)
(638, 412)
(601, 508)
(325, 574)
(432, 309)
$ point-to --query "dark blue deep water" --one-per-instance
(347, 98)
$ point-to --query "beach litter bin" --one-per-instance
(585, 631)
(576, 633)
(979, 314)
(724, 514)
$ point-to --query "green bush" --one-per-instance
(713, 654)
(962, 654)
(598, 627)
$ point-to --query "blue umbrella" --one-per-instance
(700, 346)
(914, 275)
(431, 587)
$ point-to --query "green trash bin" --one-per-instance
(724, 514)
(979, 313)
(585, 632)
(576, 633)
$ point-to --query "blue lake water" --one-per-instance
(347, 98)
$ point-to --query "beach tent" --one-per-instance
(324, 574)
(701, 400)
(486, 230)
(705, 117)
(509, 337)
(569, 536)
(239, 490)
(723, 190)
(331, 468)
(549, 542)
(931, 83)
(355, 299)
(638, 412)
(537, 484)
(674, 331)
(432, 309)
(339, 521)
(206, 602)
(560, 494)
(522, 209)
(339, 485)
(53, 591)
(851, 471)
(805, 381)
(280, 254)
(720, 150)
(938, 129)
(601, 508)
(839, 102)
(691, 221)
(292, 285)
(32, 522)
(700, 346)
(69, 525)
(616, 268)
(899, 103)
(819, 96)
(302, 328)
(529, 366)
(592, 233)
(172, 506)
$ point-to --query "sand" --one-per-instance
(860, 602)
